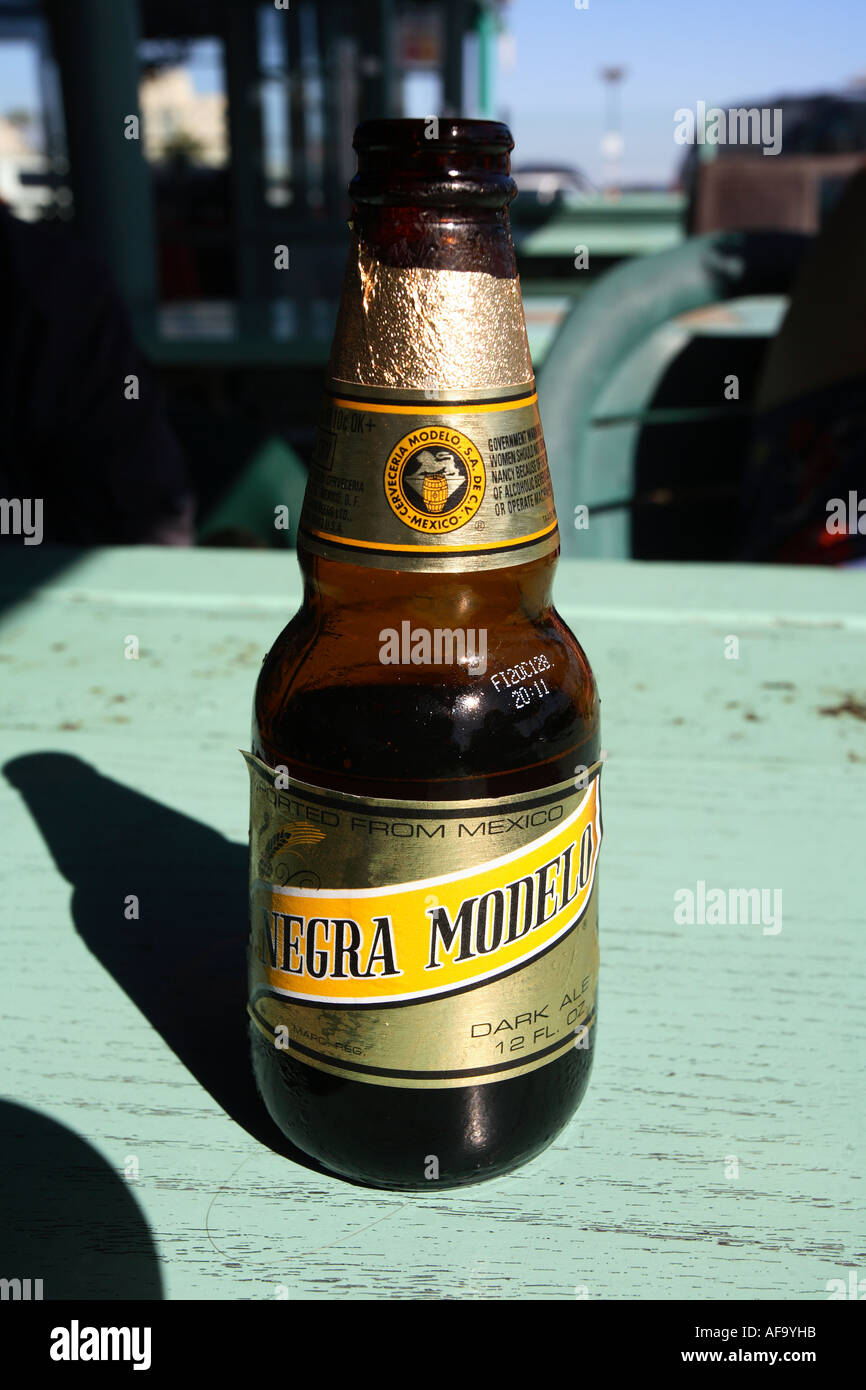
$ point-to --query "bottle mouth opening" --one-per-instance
(433, 162)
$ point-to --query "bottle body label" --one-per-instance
(436, 480)
(423, 944)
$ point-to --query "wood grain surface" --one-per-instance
(718, 1152)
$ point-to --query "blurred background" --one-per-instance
(693, 282)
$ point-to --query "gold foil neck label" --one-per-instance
(429, 454)
(424, 329)
(368, 961)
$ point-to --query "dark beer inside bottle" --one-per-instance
(336, 717)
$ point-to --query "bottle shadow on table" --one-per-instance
(182, 961)
(25, 569)
(68, 1220)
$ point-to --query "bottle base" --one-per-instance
(418, 1140)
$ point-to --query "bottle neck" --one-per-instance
(430, 459)
(445, 238)
(431, 303)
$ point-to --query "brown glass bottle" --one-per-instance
(329, 711)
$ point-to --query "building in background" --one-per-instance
(20, 164)
(179, 122)
(247, 112)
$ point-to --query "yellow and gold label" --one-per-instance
(429, 453)
(369, 962)
(429, 483)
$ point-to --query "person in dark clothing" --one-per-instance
(82, 426)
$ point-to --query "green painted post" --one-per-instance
(487, 30)
(378, 89)
(452, 59)
(246, 144)
(300, 174)
(96, 43)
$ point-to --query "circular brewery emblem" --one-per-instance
(434, 479)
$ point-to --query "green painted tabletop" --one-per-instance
(715, 1154)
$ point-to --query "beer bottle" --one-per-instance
(425, 811)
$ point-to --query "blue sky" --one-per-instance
(676, 54)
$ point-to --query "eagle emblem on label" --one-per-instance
(435, 479)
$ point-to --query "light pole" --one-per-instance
(612, 143)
